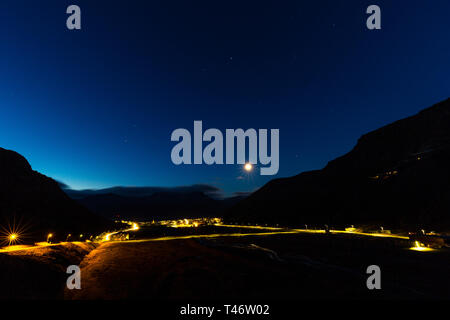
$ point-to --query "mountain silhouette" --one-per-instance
(209, 190)
(173, 204)
(397, 176)
(36, 203)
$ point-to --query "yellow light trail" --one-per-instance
(134, 227)
(217, 235)
(247, 227)
(28, 247)
(382, 235)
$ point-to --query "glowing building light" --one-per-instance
(419, 247)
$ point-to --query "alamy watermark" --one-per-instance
(373, 22)
(74, 280)
(213, 152)
(374, 280)
(73, 22)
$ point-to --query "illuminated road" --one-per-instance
(38, 245)
(265, 231)
(216, 235)
(274, 231)
(383, 235)
(134, 227)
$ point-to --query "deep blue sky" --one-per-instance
(95, 108)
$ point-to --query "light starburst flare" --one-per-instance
(13, 233)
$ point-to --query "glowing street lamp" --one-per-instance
(12, 238)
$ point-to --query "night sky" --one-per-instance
(95, 108)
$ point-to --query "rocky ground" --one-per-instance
(259, 268)
(39, 273)
(273, 267)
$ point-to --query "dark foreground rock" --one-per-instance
(39, 273)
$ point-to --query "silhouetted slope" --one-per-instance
(397, 176)
(37, 201)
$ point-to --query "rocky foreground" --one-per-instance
(296, 266)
